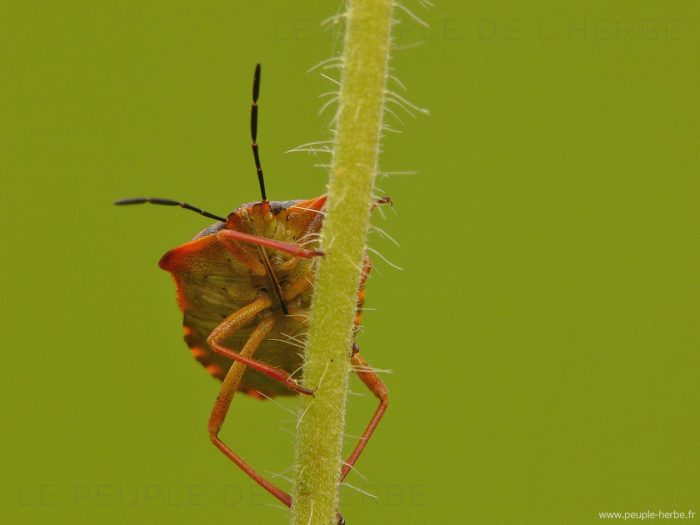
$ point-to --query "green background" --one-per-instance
(543, 335)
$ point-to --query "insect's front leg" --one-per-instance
(227, 237)
(381, 201)
(243, 255)
(370, 378)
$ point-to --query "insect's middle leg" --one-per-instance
(223, 403)
(232, 324)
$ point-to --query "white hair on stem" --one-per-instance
(411, 14)
(363, 492)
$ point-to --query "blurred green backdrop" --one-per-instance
(543, 335)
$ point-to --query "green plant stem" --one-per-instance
(343, 238)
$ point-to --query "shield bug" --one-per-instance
(244, 285)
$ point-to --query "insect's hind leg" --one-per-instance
(223, 403)
(377, 387)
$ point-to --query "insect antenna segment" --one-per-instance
(254, 130)
(256, 156)
(168, 202)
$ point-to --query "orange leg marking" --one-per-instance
(235, 322)
(286, 247)
(377, 387)
(223, 403)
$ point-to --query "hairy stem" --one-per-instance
(344, 235)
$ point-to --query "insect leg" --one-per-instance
(287, 247)
(381, 201)
(377, 387)
(230, 325)
(297, 287)
(240, 253)
(223, 403)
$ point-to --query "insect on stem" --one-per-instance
(239, 293)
